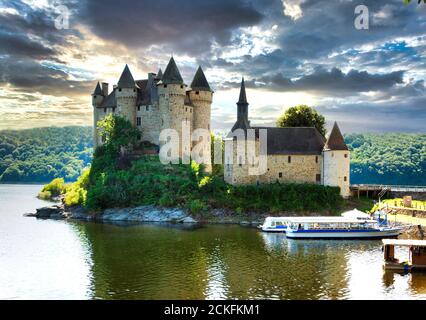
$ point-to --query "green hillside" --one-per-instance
(41, 154)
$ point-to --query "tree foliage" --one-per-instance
(42, 154)
(302, 116)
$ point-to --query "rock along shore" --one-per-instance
(155, 214)
(136, 214)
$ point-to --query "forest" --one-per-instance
(42, 154)
(390, 158)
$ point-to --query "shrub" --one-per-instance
(56, 187)
(196, 206)
(44, 195)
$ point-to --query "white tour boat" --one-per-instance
(337, 228)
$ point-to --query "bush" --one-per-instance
(195, 206)
(56, 187)
(45, 195)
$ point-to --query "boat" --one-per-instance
(417, 255)
(275, 224)
(338, 228)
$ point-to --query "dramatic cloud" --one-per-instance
(290, 52)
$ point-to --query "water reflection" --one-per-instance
(66, 260)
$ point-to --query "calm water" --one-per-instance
(43, 259)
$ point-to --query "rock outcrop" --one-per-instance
(136, 214)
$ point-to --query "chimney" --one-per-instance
(105, 89)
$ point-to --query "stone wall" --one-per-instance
(150, 122)
(336, 170)
(126, 103)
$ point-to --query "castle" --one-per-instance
(163, 101)
(293, 155)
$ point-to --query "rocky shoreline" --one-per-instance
(136, 214)
(153, 214)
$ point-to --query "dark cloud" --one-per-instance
(185, 26)
(333, 81)
(31, 76)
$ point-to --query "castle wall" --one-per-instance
(336, 170)
(126, 103)
(300, 169)
(150, 122)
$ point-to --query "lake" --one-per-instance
(46, 259)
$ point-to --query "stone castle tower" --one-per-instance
(336, 162)
(163, 101)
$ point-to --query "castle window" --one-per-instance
(162, 121)
(289, 159)
(186, 109)
(139, 108)
(208, 126)
(345, 179)
(113, 109)
(165, 86)
(138, 121)
(318, 177)
(197, 92)
(181, 86)
(240, 161)
(147, 108)
(134, 90)
(280, 174)
(316, 159)
(119, 89)
(104, 110)
(346, 155)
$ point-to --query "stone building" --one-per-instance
(298, 155)
(163, 101)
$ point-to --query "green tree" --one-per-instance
(302, 116)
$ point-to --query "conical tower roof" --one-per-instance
(159, 74)
(171, 74)
(200, 82)
(335, 141)
(126, 79)
(243, 96)
(98, 90)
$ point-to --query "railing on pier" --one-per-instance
(394, 188)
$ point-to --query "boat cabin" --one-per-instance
(417, 255)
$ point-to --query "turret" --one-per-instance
(242, 110)
(171, 93)
(201, 97)
(126, 95)
(336, 162)
(97, 99)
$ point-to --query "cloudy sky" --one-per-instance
(290, 52)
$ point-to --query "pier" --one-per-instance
(379, 190)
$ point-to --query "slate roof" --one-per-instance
(293, 140)
(98, 90)
(243, 96)
(335, 141)
(126, 79)
(171, 74)
(159, 74)
(109, 101)
(200, 82)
